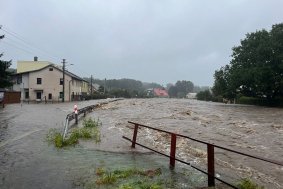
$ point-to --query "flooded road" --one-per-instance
(26, 160)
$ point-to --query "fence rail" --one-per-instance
(210, 153)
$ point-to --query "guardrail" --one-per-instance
(84, 111)
(210, 153)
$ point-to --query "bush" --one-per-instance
(56, 138)
(91, 123)
(90, 130)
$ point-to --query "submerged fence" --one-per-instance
(210, 153)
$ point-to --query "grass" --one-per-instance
(90, 130)
(131, 178)
(248, 184)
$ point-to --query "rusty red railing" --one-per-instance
(210, 153)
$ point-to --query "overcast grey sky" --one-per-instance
(149, 40)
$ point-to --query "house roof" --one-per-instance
(160, 92)
(56, 67)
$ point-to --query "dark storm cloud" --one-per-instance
(160, 41)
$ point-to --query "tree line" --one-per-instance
(129, 88)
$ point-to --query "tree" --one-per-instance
(256, 68)
(172, 91)
(184, 86)
(181, 89)
(204, 95)
(4, 74)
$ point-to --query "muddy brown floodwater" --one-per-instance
(26, 160)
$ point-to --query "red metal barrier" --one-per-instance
(135, 135)
(173, 150)
(210, 153)
(210, 165)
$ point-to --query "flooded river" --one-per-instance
(27, 161)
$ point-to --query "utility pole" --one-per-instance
(104, 85)
(91, 86)
(63, 97)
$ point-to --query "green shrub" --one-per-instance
(91, 123)
(58, 140)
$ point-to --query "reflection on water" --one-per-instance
(26, 160)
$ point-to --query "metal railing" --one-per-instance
(84, 111)
(210, 153)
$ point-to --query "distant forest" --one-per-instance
(134, 88)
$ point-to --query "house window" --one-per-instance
(38, 95)
(50, 69)
(49, 96)
(39, 81)
(26, 95)
(61, 95)
(19, 79)
(61, 81)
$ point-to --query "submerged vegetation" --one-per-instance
(90, 130)
(131, 178)
(248, 184)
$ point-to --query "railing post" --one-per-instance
(135, 136)
(76, 118)
(210, 165)
(172, 150)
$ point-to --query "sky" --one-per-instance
(160, 41)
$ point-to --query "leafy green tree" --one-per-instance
(256, 68)
(181, 89)
(184, 86)
(5, 80)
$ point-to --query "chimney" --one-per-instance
(35, 58)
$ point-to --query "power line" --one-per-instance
(14, 34)
(24, 47)
(9, 31)
(17, 47)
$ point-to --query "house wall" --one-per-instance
(75, 89)
(26, 83)
(50, 84)
(85, 88)
(21, 86)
